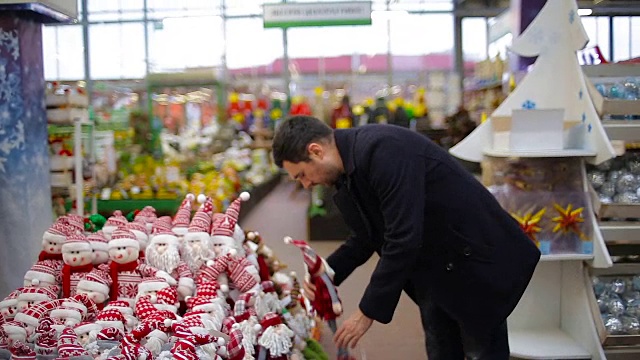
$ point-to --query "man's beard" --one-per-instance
(166, 261)
(331, 175)
(195, 258)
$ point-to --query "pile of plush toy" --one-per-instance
(194, 286)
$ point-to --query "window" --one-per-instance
(114, 10)
(63, 52)
(180, 43)
(622, 38)
(123, 58)
(249, 44)
(474, 39)
(597, 28)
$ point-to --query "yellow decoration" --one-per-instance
(420, 91)
(318, 91)
(568, 220)
(343, 123)
(529, 224)
(483, 117)
(399, 101)
(368, 102)
(358, 110)
(234, 97)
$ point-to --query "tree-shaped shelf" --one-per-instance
(543, 134)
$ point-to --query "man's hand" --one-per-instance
(309, 289)
(352, 330)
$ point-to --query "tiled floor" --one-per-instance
(283, 213)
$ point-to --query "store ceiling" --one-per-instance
(600, 7)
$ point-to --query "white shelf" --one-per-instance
(565, 257)
(550, 343)
(540, 154)
(622, 130)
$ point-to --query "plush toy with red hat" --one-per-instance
(124, 268)
(267, 300)
(163, 253)
(255, 248)
(167, 300)
(9, 305)
(124, 307)
(68, 346)
(195, 249)
(46, 341)
(327, 304)
(185, 348)
(182, 217)
(35, 295)
(96, 285)
(146, 216)
(247, 323)
(46, 271)
(21, 351)
(276, 339)
(78, 261)
(100, 247)
(140, 231)
(115, 221)
(87, 332)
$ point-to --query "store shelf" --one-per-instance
(549, 343)
(539, 154)
(621, 232)
(566, 257)
(628, 131)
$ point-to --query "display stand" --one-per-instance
(554, 319)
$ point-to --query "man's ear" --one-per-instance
(316, 149)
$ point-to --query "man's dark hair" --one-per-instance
(294, 135)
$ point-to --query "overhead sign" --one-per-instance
(285, 15)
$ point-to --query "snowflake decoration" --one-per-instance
(529, 105)
(10, 40)
(572, 16)
(580, 93)
(589, 128)
(584, 117)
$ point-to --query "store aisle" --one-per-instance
(282, 213)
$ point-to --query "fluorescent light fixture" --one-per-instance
(585, 12)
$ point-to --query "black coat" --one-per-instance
(435, 227)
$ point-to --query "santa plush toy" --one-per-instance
(247, 322)
(257, 253)
(86, 332)
(111, 318)
(125, 269)
(182, 218)
(100, 246)
(242, 274)
(276, 338)
(78, 261)
(30, 317)
(96, 285)
(21, 351)
(267, 300)
(196, 245)
(163, 253)
(115, 221)
(9, 305)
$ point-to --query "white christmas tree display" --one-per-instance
(556, 81)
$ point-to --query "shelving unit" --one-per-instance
(67, 114)
(618, 223)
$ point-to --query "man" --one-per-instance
(441, 236)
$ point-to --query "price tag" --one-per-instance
(619, 147)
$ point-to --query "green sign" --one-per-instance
(285, 15)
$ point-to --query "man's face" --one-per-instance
(319, 170)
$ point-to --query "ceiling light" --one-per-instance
(585, 12)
